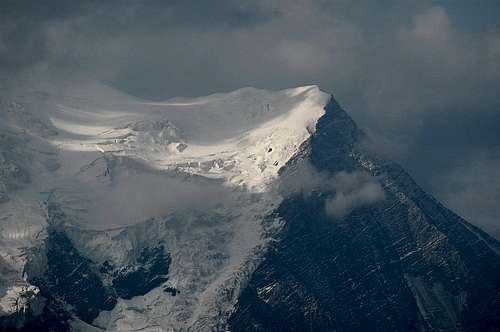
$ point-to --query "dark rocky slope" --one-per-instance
(72, 285)
(406, 263)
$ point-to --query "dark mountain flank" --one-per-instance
(404, 263)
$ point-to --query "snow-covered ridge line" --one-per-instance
(243, 137)
(119, 168)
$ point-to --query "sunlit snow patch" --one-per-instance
(243, 137)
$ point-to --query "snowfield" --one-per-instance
(243, 137)
(196, 174)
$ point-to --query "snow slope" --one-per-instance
(195, 173)
(243, 137)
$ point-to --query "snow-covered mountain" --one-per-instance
(117, 176)
(250, 210)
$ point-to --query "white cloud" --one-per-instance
(353, 190)
(432, 25)
(342, 203)
(350, 189)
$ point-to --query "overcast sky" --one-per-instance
(421, 77)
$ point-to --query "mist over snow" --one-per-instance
(153, 194)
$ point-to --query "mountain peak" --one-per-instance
(251, 210)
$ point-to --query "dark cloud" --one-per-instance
(84, 37)
(471, 187)
(420, 77)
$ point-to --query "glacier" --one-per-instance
(195, 174)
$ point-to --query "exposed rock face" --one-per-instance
(405, 263)
(72, 285)
(150, 271)
(73, 279)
